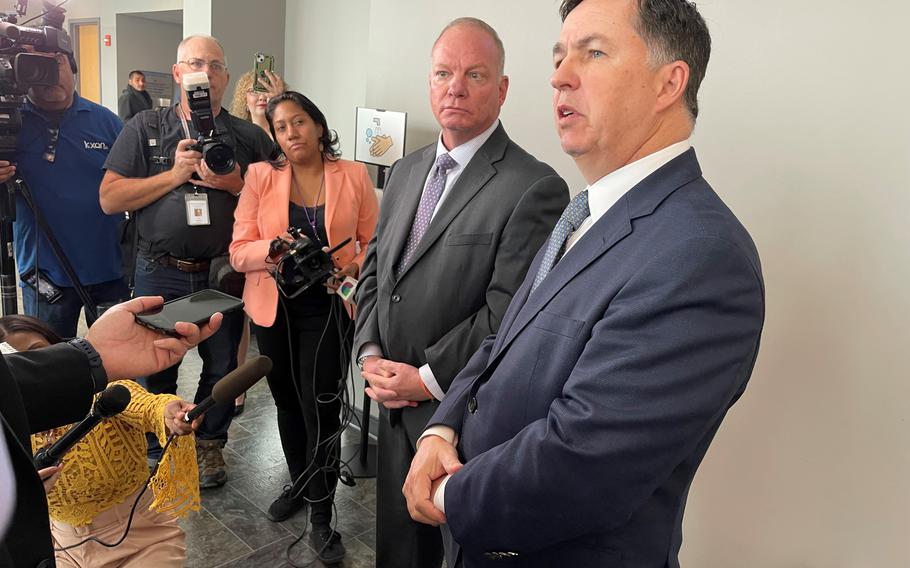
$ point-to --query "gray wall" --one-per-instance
(327, 58)
(804, 133)
(244, 28)
(152, 46)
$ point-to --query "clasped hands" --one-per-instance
(436, 458)
(393, 384)
(397, 385)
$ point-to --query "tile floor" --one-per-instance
(232, 530)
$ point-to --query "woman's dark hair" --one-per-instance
(328, 142)
(26, 324)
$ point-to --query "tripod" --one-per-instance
(7, 263)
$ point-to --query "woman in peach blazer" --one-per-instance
(330, 200)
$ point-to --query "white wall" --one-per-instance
(197, 18)
(804, 133)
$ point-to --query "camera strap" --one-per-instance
(186, 126)
(197, 204)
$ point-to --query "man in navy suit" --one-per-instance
(581, 423)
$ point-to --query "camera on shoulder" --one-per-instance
(21, 66)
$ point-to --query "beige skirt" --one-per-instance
(154, 539)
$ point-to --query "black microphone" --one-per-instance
(112, 401)
(232, 384)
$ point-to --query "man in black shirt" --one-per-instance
(184, 222)
(134, 98)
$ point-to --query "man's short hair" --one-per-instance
(483, 26)
(135, 72)
(182, 45)
(673, 30)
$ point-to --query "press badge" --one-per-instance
(197, 209)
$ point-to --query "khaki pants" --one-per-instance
(154, 539)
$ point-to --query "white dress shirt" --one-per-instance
(602, 195)
(462, 155)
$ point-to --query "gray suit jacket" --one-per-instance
(466, 268)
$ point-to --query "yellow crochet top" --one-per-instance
(109, 464)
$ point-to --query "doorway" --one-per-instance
(86, 36)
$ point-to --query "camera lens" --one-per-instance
(219, 158)
(31, 70)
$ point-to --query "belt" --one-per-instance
(184, 265)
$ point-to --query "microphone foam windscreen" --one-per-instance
(241, 379)
(112, 401)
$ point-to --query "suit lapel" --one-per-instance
(334, 185)
(403, 217)
(282, 183)
(614, 226)
(609, 230)
(478, 172)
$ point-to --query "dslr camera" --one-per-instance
(300, 263)
(217, 155)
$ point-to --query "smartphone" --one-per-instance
(195, 308)
(44, 287)
(261, 64)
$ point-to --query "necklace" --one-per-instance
(306, 210)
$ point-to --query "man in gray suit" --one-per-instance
(460, 222)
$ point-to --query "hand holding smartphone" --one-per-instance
(261, 64)
(195, 308)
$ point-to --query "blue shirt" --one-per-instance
(65, 190)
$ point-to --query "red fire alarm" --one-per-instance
(107, 40)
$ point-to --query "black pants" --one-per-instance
(306, 383)
(401, 542)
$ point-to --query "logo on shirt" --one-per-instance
(95, 145)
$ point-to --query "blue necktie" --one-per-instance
(428, 202)
(573, 216)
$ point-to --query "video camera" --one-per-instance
(300, 263)
(218, 156)
(21, 68)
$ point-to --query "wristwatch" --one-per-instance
(361, 359)
(99, 375)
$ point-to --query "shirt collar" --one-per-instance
(605, 192)
(79, 104)
(464, 153)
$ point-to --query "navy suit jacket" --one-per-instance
(582, 422)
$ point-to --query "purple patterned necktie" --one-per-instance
(428, 202)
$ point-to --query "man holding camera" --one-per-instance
(184, 215)
(60, 151)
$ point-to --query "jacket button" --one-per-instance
(396, 298)
(472, 405)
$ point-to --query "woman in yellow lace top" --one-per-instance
(92, 491)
